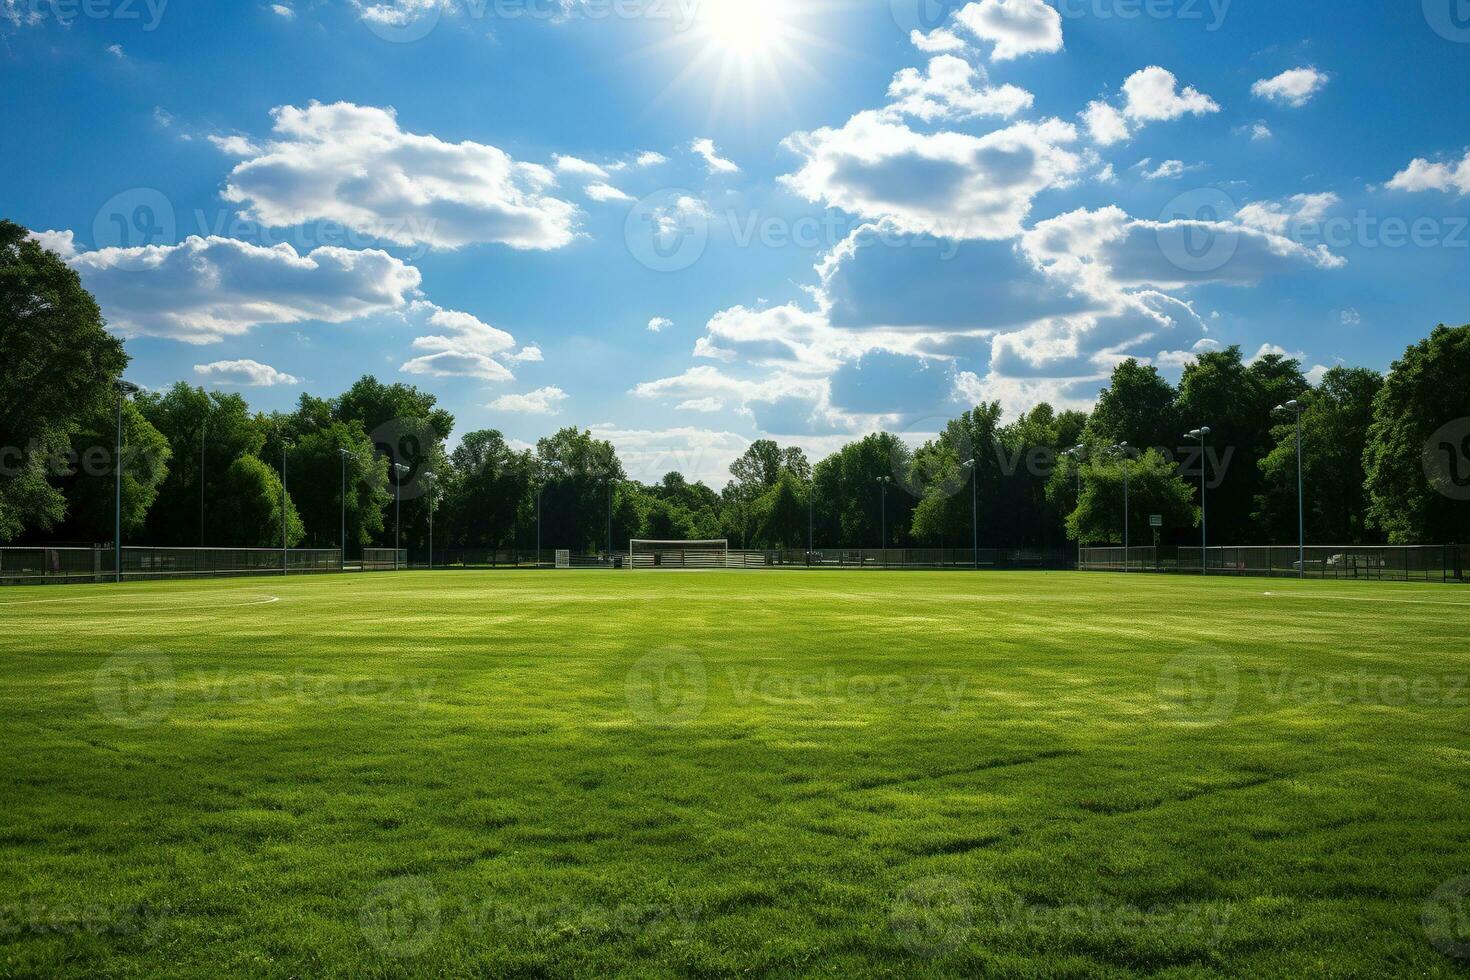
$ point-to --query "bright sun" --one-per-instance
(744, 27)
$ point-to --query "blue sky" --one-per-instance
(840, 215)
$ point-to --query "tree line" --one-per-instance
(1385, 459)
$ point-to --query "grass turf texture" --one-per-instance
(519, 774)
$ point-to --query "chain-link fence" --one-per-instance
(1394, 563)
(30, 566)
(832, 558)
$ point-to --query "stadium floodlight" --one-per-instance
(398, 470)
(811, 523)
(883, 482)
(1295, 407)
(430, 477)
(203, 432)
(1077, 454)
(713, 553)
(1124, 450)
(969, 464)
(124, 389)
(1204, 539)
(346, 455)
(285, 524)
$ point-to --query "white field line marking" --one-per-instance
(1358, 598)
(122, 606)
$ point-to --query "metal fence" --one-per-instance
(1393, 563)
(31, 566)
(844, 558)
(382, 560)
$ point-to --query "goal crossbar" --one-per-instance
(709, 553)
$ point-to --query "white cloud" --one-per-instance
(205, 289)
(701, 405)
(1181, 359)
(354, 165)
(700, 454)
(606, 192)
(1422, 175)
(1152, 96)
(1016, 26)
(1283, 218)
(659, 323)
(950, 184)
(1168, 170)
(1105, 124)
(650, 158)
(953, 89)
(1351, 317)
(116, 50)
(1294, 88)
(1266, 350)
(245, 373)
(542, 401)
(282, 10)
(464, 346)
(578, 167)
(938, 41)
(528, 355)
(1260, 131)
(162, 118)
(717, 164)
(63, 243)
(235, 146)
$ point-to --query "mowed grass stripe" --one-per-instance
(805, 773)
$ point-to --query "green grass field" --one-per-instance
(903, 774)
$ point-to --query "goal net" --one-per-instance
(678, 554)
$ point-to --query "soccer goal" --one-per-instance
(678, 554)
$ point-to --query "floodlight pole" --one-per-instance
(124, 389)
(285, 524)
(398, 470)
(342, 561)
(203, 429)
(539, 487)
(883, 482)
(1295, 407)
(974, 511)
(1122, 448)
(429, 475)
(811, 522)
(610, 562)
(1204, 561)
(1075, 454)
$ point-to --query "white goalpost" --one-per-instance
(678, 554)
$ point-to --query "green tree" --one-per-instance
(57, 369)
(1137, 407)
(1154, 487)
(849, 495)
(491, 495)
(943, 512)
(1418, 454)
(251, 515)
(91, 482)
(193, 421)
(315, 476)
(577, 469)
(1336, 417)
(1237, 401)
(783, 512)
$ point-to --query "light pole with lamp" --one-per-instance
(203, 432)
(1123, 449)
(346, 455)
(974, 510)
(398, 470)
(124, 389)
(811, 521)
(285, 523)
(883, 482)
(1295, 407)
(1076, 454)
(429, 477)
(1204, 539)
